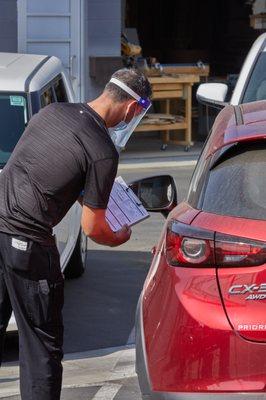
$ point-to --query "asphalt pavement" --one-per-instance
(99, 312)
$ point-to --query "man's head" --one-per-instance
(122, 105)
(134, 79)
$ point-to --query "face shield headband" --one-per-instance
(121, 133)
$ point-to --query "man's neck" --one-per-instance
(104, 107)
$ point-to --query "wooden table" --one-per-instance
(170, 88)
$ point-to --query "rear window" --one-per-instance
(47, 97)
(60, 91)
(56, 92)
(237, 185)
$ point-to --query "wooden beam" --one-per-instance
(167, 86)
(169, 94)
(161, 127)
(182, 78)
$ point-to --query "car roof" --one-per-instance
(27, 72)
(234, 124)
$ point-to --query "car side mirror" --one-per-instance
(212, 94)
(157, 193)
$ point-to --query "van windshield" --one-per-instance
(256, 88)
(14, 118)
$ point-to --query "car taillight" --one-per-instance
(233, 251)
(188, 246)
(194, 247)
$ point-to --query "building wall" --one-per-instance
(8, 25)
(103, 30)
(102, 33)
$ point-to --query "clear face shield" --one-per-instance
(121, 133)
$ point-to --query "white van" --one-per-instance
(28, 83)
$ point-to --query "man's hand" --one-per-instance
(124, 234)
(96, 227)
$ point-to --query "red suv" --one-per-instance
(201, 317)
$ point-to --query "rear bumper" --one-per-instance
(144, 380)
(141, 362)
(205, 396)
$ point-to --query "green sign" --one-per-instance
(17, 101)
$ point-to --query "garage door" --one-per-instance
(53, 28)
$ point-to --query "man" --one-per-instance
(65, 150)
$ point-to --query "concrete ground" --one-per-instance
(94, 375)
(99, 313)
(149, 146)
(145, 152)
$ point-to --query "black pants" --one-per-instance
(32, 285)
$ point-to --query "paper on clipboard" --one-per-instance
(124, 207)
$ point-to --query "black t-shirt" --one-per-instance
(65, 149)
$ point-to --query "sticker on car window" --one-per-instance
(17, 101)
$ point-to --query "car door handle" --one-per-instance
(71, 65)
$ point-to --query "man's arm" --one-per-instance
(98, 186)
(96, 227)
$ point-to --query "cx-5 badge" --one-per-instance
(254, 291)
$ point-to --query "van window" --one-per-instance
(256, 88)
(47, 97)
(60, 91)
(14, 118)
(237, 186)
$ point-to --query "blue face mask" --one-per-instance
(116, 133)
(120, 126)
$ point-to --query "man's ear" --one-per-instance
(131, 110)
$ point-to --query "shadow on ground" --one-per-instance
(100, 307)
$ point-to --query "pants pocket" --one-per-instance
(26, 257)
(35, 272)
(37, 303)
(45, 302)
(57, 302)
